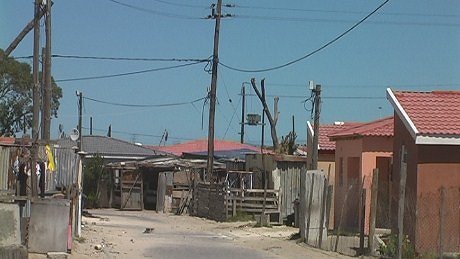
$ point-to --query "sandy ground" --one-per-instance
(140, 234)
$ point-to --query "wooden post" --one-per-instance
(322, 214)
(373, 213)
(402, 197)
(362, 220)
(330, 197)
(441, 221)
(339, 228)
(310, 200)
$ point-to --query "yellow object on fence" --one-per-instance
(51, 163)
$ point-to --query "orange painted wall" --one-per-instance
(344, 148)
(373, 147)
(429, 167)
(431, 178)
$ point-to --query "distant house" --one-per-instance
(359, 150)
(229, 152)
(110, 150)
(427, 147)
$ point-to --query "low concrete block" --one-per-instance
(10, 225)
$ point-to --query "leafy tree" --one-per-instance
(16, 84)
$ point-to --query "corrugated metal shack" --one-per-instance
(284, 175)
(162, 183)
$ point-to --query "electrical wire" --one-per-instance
(130, 59)
(143, 105)
(128, 73)
(121, 58)
(344, 11)
(322, 97)
(303, 19)
(137, 134)
(181, 5)
(311, 53)
(150, 11)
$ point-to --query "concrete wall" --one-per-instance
(10, 233)
(49, 226)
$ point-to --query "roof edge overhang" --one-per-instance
(402, 114)
(452, 140)
(116, 157)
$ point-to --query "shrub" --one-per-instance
(390, 249)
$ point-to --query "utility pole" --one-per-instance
(35, 99)
(42, 95)
(263, 219)
(47, 74)
(317, 104)
(243, 93)
(80, 117)
(212, 94)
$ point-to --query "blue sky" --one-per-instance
(407, 45)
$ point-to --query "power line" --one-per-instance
(181, 5)
(137, 134)
(130, 59)
(303, 19)
(345, 11)
(369, 85)
(322, 97)
(150, 11)
(313, 52)
(128, 73)
(144, 105)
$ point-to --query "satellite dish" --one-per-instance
(74, 135)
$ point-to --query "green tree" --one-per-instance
(16, 85)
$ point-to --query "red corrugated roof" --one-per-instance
(201, 145)
(436, 112)
(379, 128)
(7, 140)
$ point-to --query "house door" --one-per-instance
(353, 181)
(383, 198)
(131, 190)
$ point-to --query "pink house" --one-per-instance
(427, 147)
(359, 150)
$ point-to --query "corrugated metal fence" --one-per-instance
(4, 167)
(67, 162)
(289, 185)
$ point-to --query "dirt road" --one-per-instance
(147, 234)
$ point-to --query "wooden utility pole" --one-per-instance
(80, 118)
(212, 94)
(373, 212)
(317, 103)
(264, 205)
(22, 34)
(402, 198)
(47, 74)
(243, 93)
(35, 99)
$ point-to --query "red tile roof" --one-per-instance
(379, 128)
(201, 145)
(328, 129)
(432, 113)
